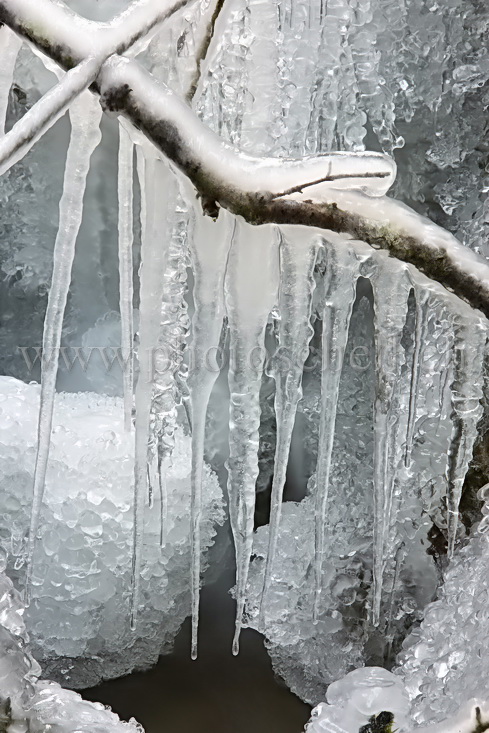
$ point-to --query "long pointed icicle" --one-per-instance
(420, 328)
(10, 45)
(342, 271)
(391, 287)
(85, 136)
(210, 247)
(125, 197)
(466, 395)
(154, 176)
(251, 294)
(298, 255)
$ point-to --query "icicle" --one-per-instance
(10, 45)
(85, 136)
(169, 387)
(420, 334)
(210, 247)
(262, 110)
(298, 254)
(163, 500)
(125, 196)
(251, 293)
(466, 395)
(342, 271)
(331, 54)
(169, 370)
(154, 176)
(391, 291)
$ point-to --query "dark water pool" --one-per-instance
(218, 693)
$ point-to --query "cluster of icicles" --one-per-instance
(241, 275)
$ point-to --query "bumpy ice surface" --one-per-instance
(78, 618)
(27, 703)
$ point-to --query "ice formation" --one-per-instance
(78, 618)
(356, 574)
(441, 673)
(30, 704)
(383, 368)
(251, 289)
(443, 662)
(297, 264)
(372, 698)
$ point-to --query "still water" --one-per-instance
(218, 693)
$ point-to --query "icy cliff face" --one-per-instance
(78, 618)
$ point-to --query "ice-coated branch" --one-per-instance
(126, 32)
(340, 192)
(39, 118)
(316, 191)
(69, 38)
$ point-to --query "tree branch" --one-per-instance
(141, 16)
(261, 190)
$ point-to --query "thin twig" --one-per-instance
(300, 188)
(203, 50)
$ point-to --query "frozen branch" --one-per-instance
(39, 118)
(69, 39)
(143, 17)
(340, 192)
